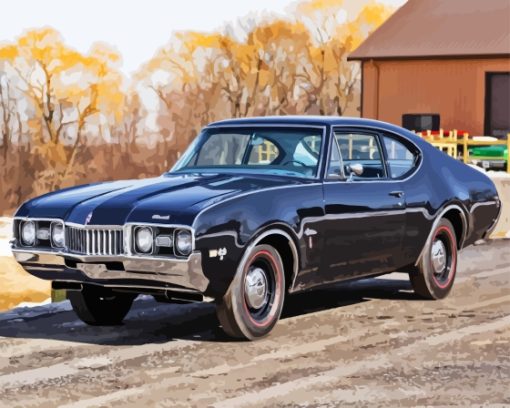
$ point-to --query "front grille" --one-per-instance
(95, 241)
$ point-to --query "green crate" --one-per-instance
(498, 152)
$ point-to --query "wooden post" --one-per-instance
(465, 152)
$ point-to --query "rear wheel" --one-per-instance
(99, 307)
(438, 264)
(253, 303)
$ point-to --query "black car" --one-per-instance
(256, 209)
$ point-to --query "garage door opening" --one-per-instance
(497, 104)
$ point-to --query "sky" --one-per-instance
(135, 28)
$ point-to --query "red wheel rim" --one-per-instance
(264, 315)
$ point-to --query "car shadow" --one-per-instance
(348, 293)
(153, 322)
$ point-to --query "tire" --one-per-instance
(250, 314)
(98, 307)
(437, 267)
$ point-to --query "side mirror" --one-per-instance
(354, 169)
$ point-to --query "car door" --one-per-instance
(402, 161)
(364, 210)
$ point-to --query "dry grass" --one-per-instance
(19, 286)
(16, 285)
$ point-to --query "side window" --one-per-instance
(361, 149)
(401, 160)
(263, 151)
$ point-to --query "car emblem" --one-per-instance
(220, 252)
(160, 217)
(89, 217)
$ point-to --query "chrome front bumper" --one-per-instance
(154, 272)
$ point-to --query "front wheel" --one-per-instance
(254, 301)
(438, 264)
(98, 307)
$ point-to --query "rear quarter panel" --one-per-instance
(444, 181)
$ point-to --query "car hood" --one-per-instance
(169, 199)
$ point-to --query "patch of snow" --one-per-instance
(29, 312)
(5, 220)
(34, 304)
(93, 362)
(498, 174)
(5, 236)
(5, 247)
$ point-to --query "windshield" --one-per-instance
(282, 151)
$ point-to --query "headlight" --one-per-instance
(28, 233)
(144, 240)
(57, 234)
(184, 242)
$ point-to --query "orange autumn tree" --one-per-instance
(277, 66)
(68, 117)
(337, 27)
(188, 77)
(64, 90)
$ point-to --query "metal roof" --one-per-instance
(441, 28)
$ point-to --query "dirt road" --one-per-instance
(366, 343)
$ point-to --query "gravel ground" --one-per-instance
(369, 343)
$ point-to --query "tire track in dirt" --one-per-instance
(222, 370)
(184, 364)
(19, 351)
(373, 363)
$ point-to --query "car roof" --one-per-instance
(294, 120)
(310, 120)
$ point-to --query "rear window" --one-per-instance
(401, 160)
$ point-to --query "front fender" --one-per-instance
(224, 231)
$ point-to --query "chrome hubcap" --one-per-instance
(255, 288)
(438, 256)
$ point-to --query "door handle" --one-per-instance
(398, 194)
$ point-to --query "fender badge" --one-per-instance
(309, 232)
(220, 252)
(89, 217)
(160, 217)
